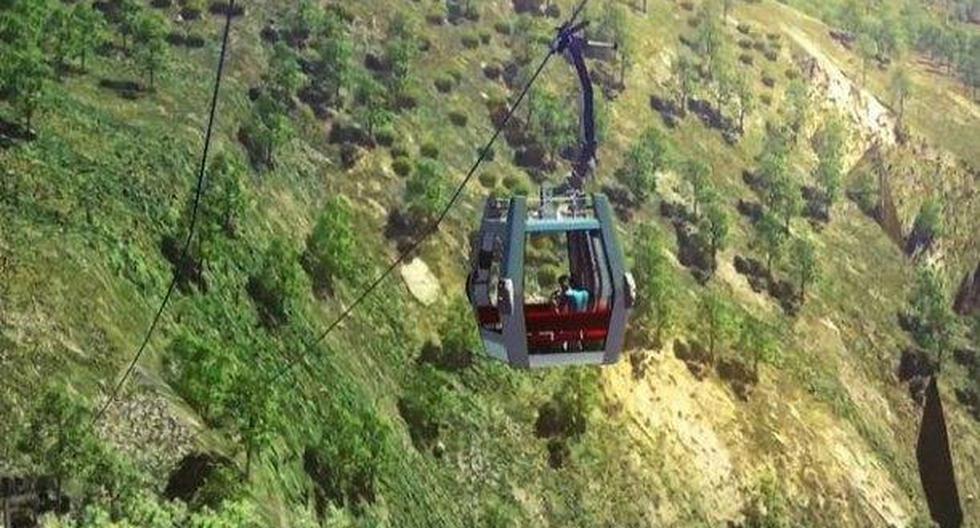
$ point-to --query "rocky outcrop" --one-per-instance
(968, 296)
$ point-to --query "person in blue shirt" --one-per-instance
(570, 297)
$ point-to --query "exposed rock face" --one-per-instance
(422, 284)
(968, 296)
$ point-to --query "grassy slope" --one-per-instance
(828, 418)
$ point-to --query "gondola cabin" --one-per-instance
(583, 321)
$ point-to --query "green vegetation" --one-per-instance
(930, 309)
(650, 153)
(331, 249)
(397, 417)
(651, 268)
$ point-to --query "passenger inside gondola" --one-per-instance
(570, 296)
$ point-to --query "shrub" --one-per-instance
(402, 166)
(429, 150)
(746, 59)
(471, 41)
(772, 55)
(792, 74)
(485, 37)
(504, 28)
(445, 83)
(766, 99)
(423, 408)
(768, 80)
(458, 119)
(331, 249)
(488, 179)
(744, 28)
(385, 136)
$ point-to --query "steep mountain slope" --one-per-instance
(380, 426)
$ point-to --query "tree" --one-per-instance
(649, 154)
(254, 406)
(756, 339)
(725, 75)
(331, 249)
(716, 320)
(697, 174)
(709, 36)
(332, 68)
(90, 30)
(770, 238)
(715, 225)
(553, 123)
(268, 128)
(931, 308)
(227, 199)
(149, 37)
(867, 49)
(371, 98)
(25, 77)
(426, 190)
(900, 87)
(830, 145)
(400, 53)
(785, 199)
(275, 285)
(685, 75)
(653, 271)
(798, 108)
(805, 265)
(58, 436)
(284, 76)
(746, 100)
(202, 373)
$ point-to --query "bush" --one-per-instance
(458, 119)
(768, 80)
(385, 136)
(402, 166)
(485, 37)
(744, 28)
(429, 150)
(488, 179)
(471, 41)
(331, 249)
(445, 83)
(792, 74)
(516, 185)
(772, 55)
(746, 59)
(504, 28)
(766, 99)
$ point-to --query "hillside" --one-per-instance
(798, 238)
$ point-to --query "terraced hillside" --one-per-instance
(798, 246)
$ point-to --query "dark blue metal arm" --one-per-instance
(571, 43)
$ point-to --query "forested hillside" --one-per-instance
(796, 186)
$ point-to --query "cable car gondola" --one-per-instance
(529, 333)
